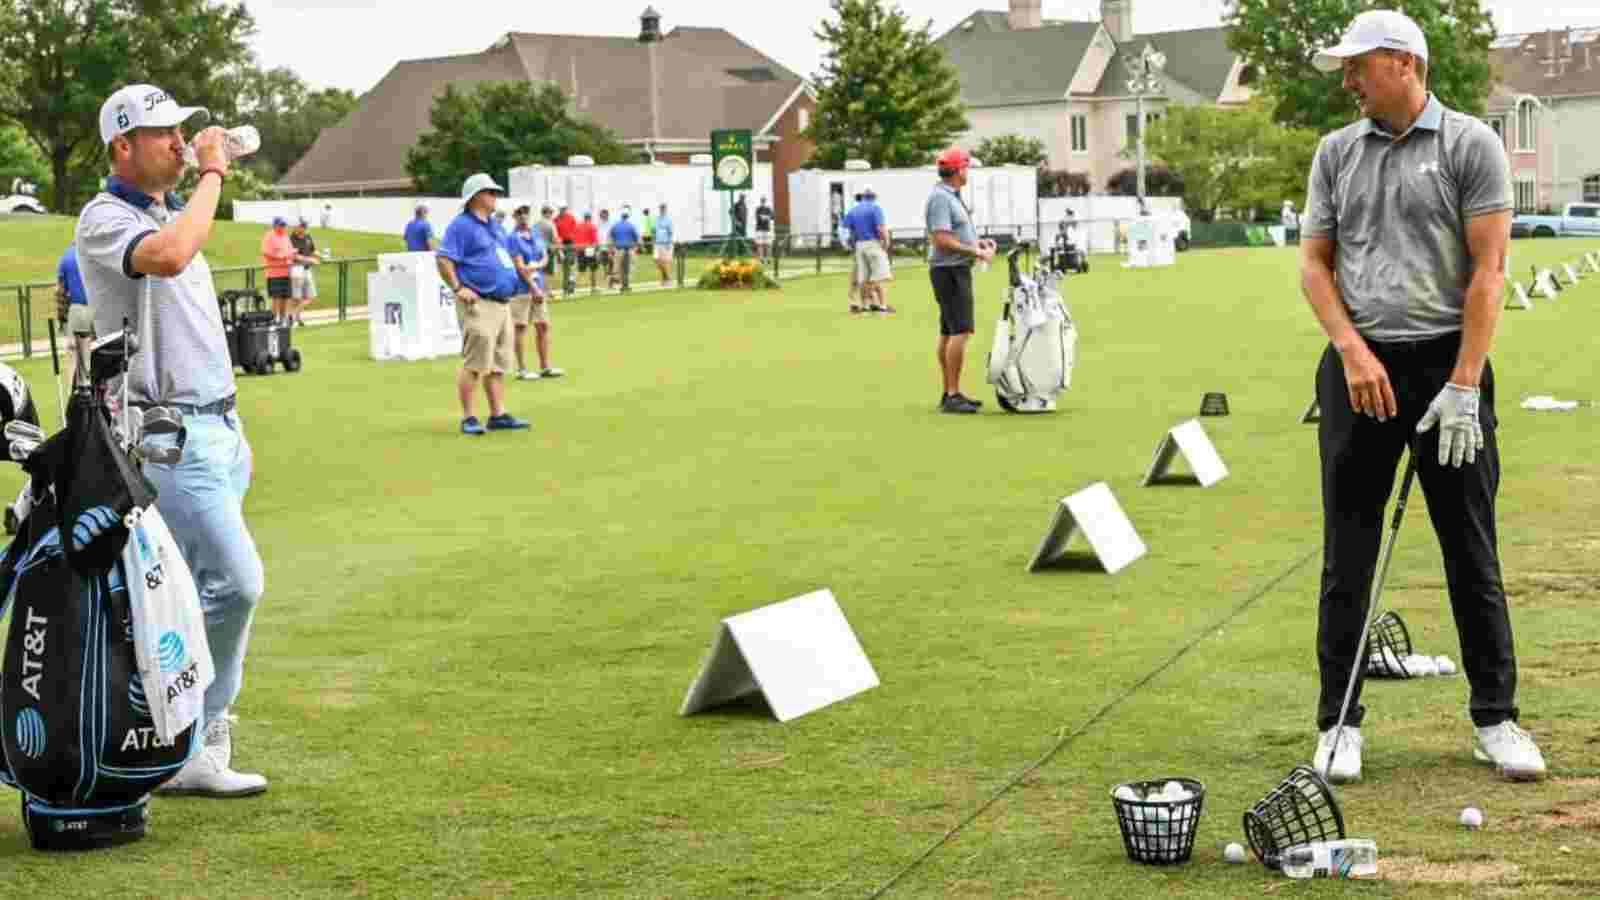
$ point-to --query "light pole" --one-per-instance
(1144, 77)
(650, 36)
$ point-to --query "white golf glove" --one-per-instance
(1455, 411)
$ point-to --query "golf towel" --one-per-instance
(169, 633)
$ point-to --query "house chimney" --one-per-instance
(1117, 17)
(1026, 14)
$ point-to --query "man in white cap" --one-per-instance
(139, 249)
(1403, 247)
(474, 264)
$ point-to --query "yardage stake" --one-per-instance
(1093, 720)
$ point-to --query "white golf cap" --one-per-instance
(867, 191)
(1378, 29)
(477, 184)
(142, 106)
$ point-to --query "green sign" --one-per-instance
(733, 159)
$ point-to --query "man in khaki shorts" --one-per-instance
(871, 239)
(531, 303)
(75, 315)
(474, 264)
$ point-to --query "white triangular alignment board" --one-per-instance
(1572, 274)
(1545, 283)
(799, 654)
(1095, 514)
(1312, 414)
(1520, 298)
(1191, 440)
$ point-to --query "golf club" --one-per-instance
(1372, 605)
(55, 363)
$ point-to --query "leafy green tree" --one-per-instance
(19, 158)
(61, 59)
(498, 125)
(1011, 150)
(289, 115)
(886, 93)
(1232, 158)
(1061, 183)
(1277, 39)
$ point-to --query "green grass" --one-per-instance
(465, 675)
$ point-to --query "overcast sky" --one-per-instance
(353, 43)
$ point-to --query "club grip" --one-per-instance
(1405, 488)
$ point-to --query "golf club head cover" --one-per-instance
(16, 401)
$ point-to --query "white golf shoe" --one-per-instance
(1347, 766)
(1510, 750)
(207, 773)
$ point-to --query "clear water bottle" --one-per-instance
(238, 141)
(1351, 858)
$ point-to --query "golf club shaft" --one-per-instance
(1372, 604)
(55, 363)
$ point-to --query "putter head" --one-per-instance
(165, 456)
(162, 420)
(21, 451)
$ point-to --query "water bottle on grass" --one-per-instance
(1352, 858)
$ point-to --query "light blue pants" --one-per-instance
(202, 499)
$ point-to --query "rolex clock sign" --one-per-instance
(732, 159)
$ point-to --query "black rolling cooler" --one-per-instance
(256, 342)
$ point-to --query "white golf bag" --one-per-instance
(1035, 341)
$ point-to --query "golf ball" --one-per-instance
(1421, 666)
(1446, 667)
(1233, 853)
(1124, 792)
(1472, 817)
(1174, 790)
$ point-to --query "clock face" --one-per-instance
(733, 170)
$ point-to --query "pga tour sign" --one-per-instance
(732, 159)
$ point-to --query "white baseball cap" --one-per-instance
(867, 191)
(1377, 29)
(477, 184)
(142, 106)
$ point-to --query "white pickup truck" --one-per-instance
(1575, 219)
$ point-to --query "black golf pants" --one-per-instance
(1359, 459)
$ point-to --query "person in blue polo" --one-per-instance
(527, 249)
(75, 316)
(473, 262)
(625, 237)
(419, 234)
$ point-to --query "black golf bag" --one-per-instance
(75, 728)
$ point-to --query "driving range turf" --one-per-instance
(466, 671)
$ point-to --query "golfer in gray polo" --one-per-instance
(1403, 247)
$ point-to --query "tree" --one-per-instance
(498, 125)
(19, 158)
(289, 115)
(63, 58)
(885, 93)
(1160, 181)
(1232, 158)
(1011, 150)
(1277, 39)
(1061, 183)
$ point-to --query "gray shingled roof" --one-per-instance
(1573, 68)
(608, 76)
(998, 65)
(1198, 58)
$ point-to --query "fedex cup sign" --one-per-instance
(732, 159)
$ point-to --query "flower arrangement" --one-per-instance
(737, 273)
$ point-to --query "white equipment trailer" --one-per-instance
(697, 211)
(1000, 197)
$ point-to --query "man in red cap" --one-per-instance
(954, 246)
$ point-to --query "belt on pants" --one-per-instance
(219, 408)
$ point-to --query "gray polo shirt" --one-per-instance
(183, 354)
(1396, 208)
(946, 212)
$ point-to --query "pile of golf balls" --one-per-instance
(1156, 824)
(1415, 665)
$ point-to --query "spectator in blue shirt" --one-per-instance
(624, 237)
(73, 309)
(474, 263)
(663, 240)
(531, 303)
(870, 238)
(419, 234)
